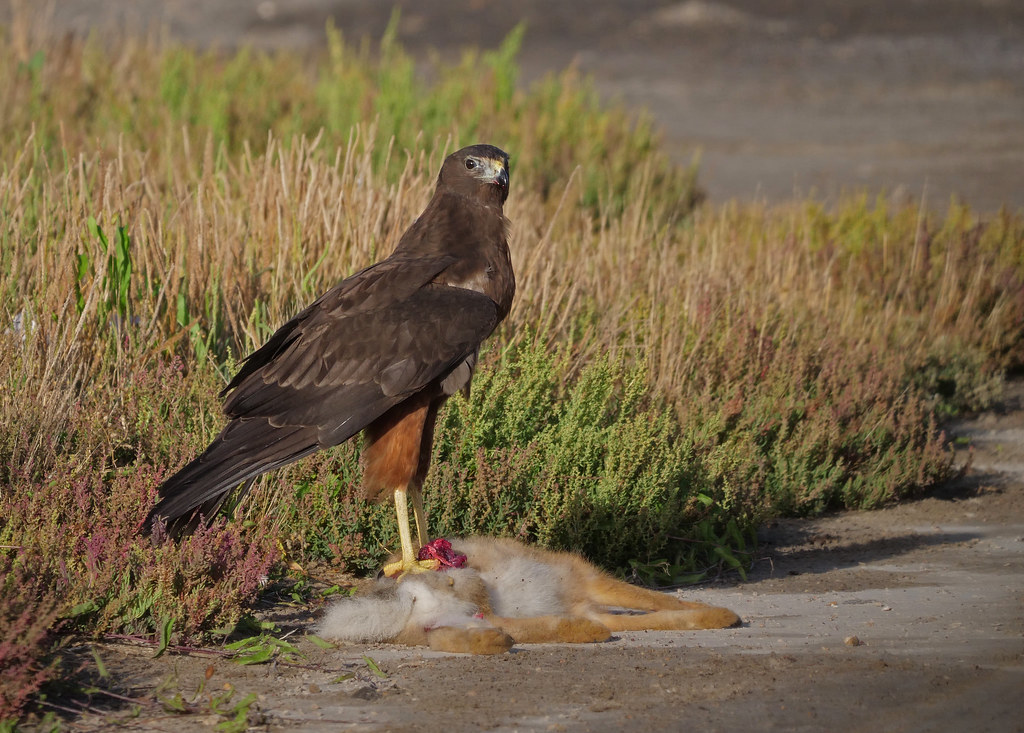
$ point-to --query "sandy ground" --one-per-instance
(781, 97)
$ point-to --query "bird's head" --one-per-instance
(480, 171)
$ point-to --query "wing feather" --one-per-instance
(359, 366)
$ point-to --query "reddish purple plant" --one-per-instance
(28, 615)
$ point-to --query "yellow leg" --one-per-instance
(420, 516)
(408, 563)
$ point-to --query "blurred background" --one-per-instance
(918, 100)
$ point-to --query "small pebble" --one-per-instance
(852, 641)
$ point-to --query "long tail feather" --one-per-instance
(245, 449)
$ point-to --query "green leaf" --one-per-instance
(175, 704)
(181, 308)
(247, 642)
(729, 559)
(101, 668)
(286, 647)
(240, 721)
(374, 668)
(219, 702)
(164, 636)
(265, 654)
(95, 231)
(308, 277)
(319, 642)
(259, 649)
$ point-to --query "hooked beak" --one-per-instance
(501, 178)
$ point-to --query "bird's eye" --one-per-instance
(471, 164)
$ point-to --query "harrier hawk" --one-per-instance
(379, 353)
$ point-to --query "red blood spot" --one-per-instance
(441, 550)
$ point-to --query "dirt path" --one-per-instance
(932, 589)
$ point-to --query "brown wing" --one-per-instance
(339, 372)
(366, 345)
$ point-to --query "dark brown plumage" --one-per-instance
(380, 351)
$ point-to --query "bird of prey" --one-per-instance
(379, 353)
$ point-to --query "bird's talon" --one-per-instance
(401, 568)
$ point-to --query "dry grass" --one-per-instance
(235, 247)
